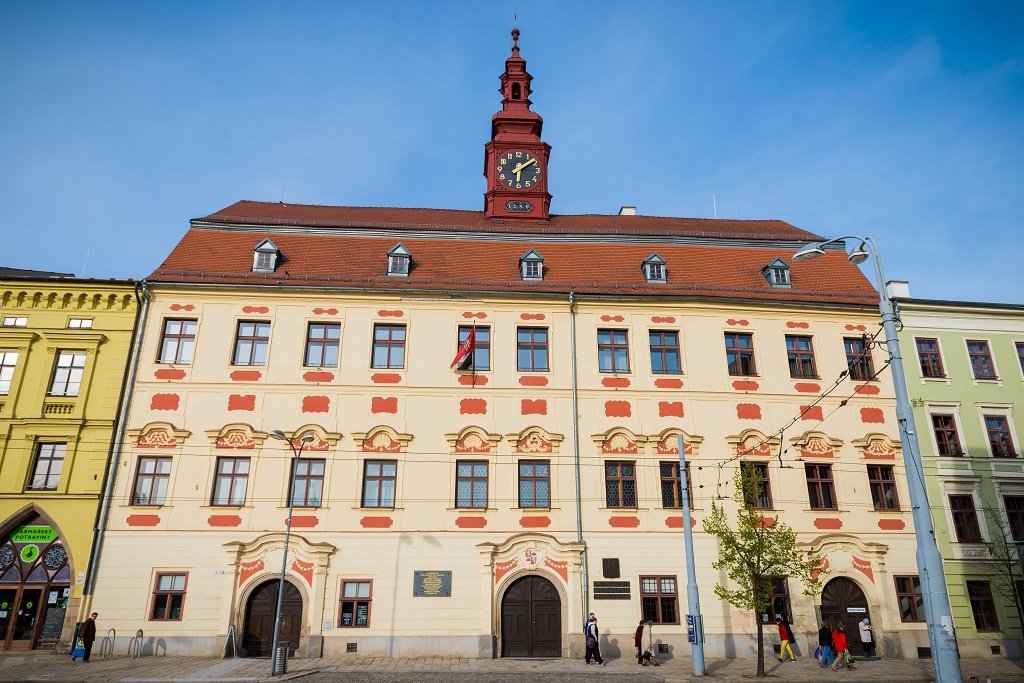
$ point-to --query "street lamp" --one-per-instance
(941, 636)
(306, 438)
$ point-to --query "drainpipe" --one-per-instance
(114, 455)
(576, 457)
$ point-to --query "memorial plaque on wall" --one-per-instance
(611, 590)
(432, 583)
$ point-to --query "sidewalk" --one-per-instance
(33, 666)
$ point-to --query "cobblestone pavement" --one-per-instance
(34, 666)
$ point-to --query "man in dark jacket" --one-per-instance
(825, 643)
(88, 635)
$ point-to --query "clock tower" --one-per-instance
(515, 158)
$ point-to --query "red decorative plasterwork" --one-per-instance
(235, 439)
(318, 377)
(473, 380)
(304, 521)
(534, 522)
(748, 411)
(303, 569)
(534, 443)
(245, 375)
(531, 316)
(664, 383)
(624, 522)
(382, 443)
(143, 520)
(317, 444)
(473, 443)
(376, 522)
(533, 381)
(617, 409)
(390, 314)
(857, 328)
(224, 520)
(867, 389)
(182, 307)
(242, 402)
(811, 413)
(864, 567)
(892, 524)
(670, 408)
(879, 450)
(872, 415)
(615, 382)
(676, 522)
(471, 522)
(164, 402)
(817, 448)
(807, 387)
(797, 325)
(612, 318)
(502, 568)
(473, 406)
(469, 314)
(157, 438)
(384, 404)
(325, 311)
(755, 446)
(385, 378)
(823, 566)
(560, 568)
(828, 523)
(620, 444)
(316, 404)
(768, 522)
(741, 323)
(662, 319)
(745, 385)
(670, 446)
(255, 309)
(247, 569)
(169, 373)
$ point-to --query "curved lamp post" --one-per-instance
(306, 438)
(941, 636)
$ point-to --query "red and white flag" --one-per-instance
(465, 353)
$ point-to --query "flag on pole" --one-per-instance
(464, 356)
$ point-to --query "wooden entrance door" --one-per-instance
(259, 619)
(531, 619)
(843, 602)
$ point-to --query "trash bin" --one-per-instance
(281, 661)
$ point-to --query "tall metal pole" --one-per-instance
(296, 454)
(692, 593)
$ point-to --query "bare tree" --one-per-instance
(1004, 563)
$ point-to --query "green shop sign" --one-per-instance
(35, 533)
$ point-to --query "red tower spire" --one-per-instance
(515, 158)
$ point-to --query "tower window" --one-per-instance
(517, 93)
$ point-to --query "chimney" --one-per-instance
(898, 289)
(627, 210)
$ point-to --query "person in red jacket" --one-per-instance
(842, 649)
(786, 636)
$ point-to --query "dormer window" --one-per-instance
(398, 261)
(264, 257)
(531, 266)
(777, 274)
(654, 269)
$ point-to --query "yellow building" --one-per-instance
(64, 345)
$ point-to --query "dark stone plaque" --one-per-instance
(432, 583)
(611, 590)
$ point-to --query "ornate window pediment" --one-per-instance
(667, 442)
(753, 443)
(619, 441)
(534, 441)
(322, 441)
(877, 447)
(381, 440)
(817, 445)
(473, 440)
(158, 435)
(236, 436)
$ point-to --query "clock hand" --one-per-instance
(518, 171)
(523, 165)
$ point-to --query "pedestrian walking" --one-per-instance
(638, 641)
(825, 643)
(649, 656)
(842, 649)
(593, 642)
(786, 636)
(867, 637)
(88, 635)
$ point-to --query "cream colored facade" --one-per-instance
(427, 417)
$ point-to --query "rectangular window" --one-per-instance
(665, 352)
(931, 359)
(882, 481)
(481, 359)
(532, 349)
(79, 323)
(151, 480)
(981, 359)
(820, 489)
(739, 354)
(984, 609)
(1015, 516)
(758, 472)
(965, 519)
(947, 442)
(251, 343)
(379, 479)
(471, 484)
(534, 483)
(800, 353)
(67, 373)
(388, 346)
(612, 351)
(178, 341)
(908, 593)
(780, 606)
(308, 484)
(998, 429)
(322, 343)
(15, 321)
(1020, 354)
(620, 484)
(355, 604)
(168, 597)
(858, 359)
(48, 466)
(231, 481)
(8, 361)
(671, 490)
(659, 599)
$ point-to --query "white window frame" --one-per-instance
(998, 379)
(1000, 410)
(12, 367)
(945, 379)
(80, 323)
(15, 321)
(965, 487)
(946, 409)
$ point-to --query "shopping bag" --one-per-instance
(79, 650)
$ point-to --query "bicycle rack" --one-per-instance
(107, 646)
(135, 645)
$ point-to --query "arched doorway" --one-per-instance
(35, 585)
(843, 602)
(531, 619)
(259, 618)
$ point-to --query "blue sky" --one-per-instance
(902, 121)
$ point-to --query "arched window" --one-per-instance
(516, 92)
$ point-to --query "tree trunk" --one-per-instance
(760, 645)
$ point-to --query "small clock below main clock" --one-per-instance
(518, 170)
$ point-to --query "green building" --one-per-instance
(965, 375)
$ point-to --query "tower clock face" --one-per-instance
(518, 170)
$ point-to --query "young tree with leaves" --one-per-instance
(753, 552)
